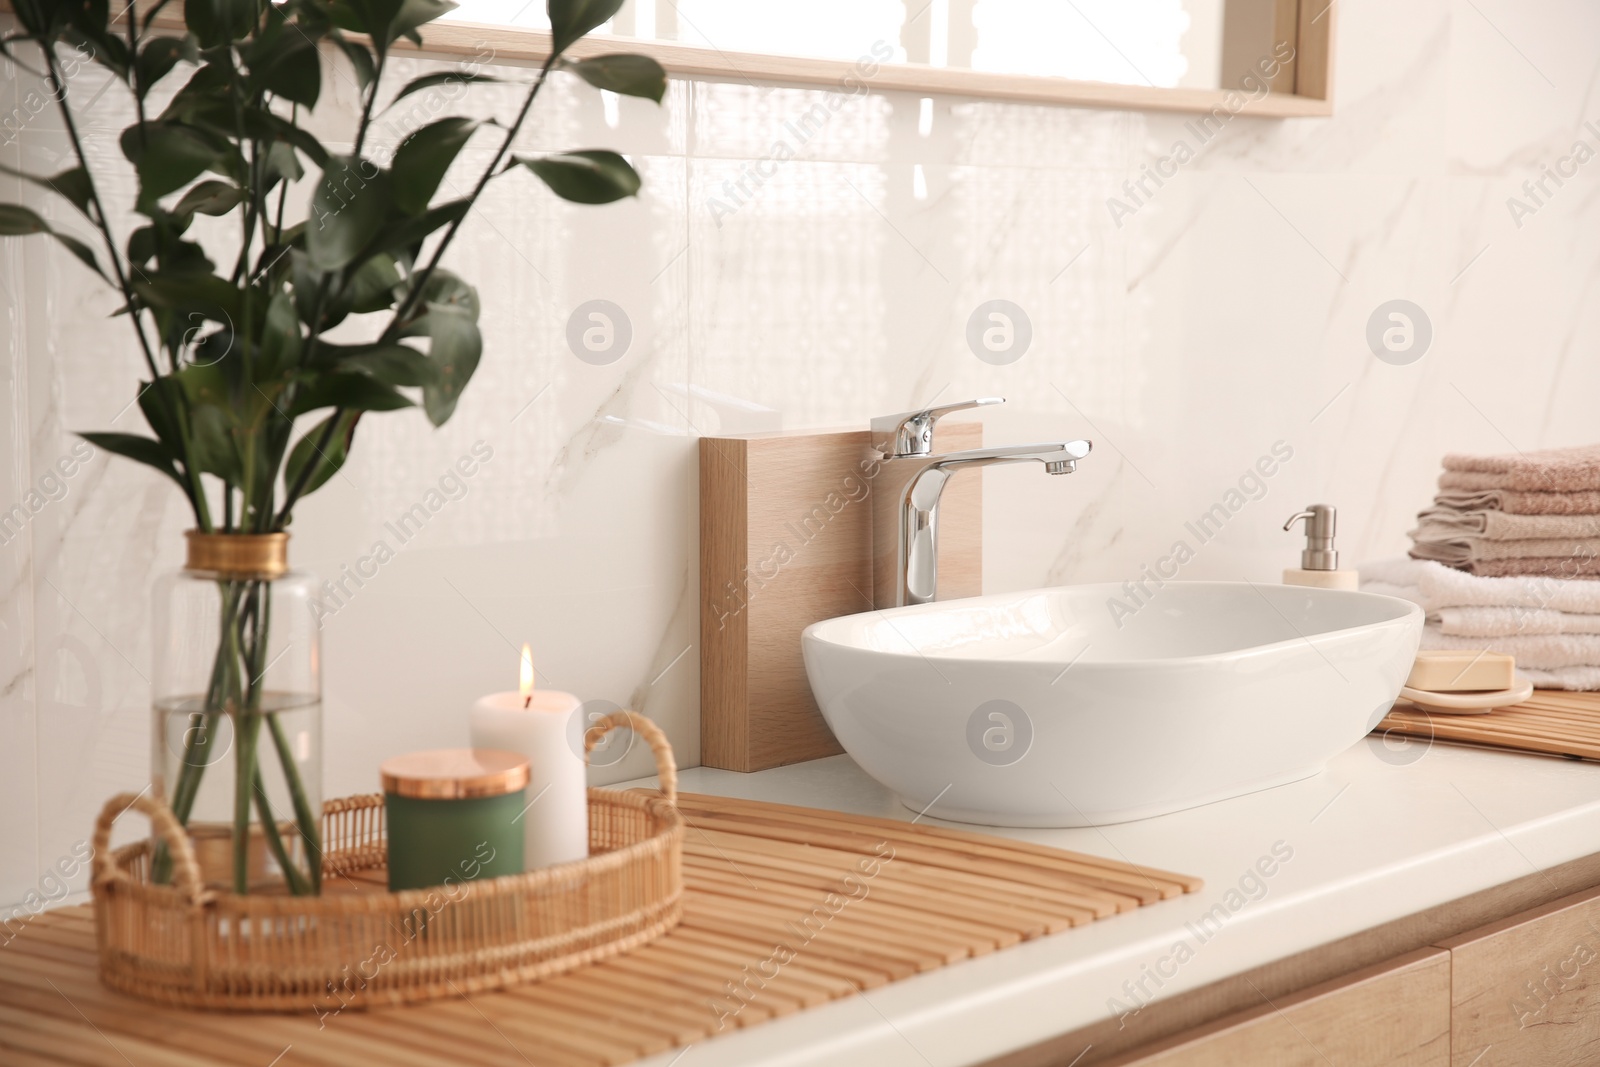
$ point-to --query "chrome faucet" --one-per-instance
(910, 481)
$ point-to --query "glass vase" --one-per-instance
(237, 694)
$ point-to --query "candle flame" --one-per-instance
(525, 679)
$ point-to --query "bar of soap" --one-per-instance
(1462, 671)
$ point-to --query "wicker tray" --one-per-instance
(187, 945)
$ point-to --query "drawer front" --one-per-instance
(1526, 990)
(1397, 1013)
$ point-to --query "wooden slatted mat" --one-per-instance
(784, 908)
(1553, 722)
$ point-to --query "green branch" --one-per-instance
(193, 488)
(420, 282)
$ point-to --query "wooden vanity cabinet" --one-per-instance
(1506, 977)
(1396, 1013)
(1526, 990)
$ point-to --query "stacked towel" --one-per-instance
(1534, 513)
(1553, 470)
(1516, 502)
(1551, 625)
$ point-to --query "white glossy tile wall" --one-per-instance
(1225, 314)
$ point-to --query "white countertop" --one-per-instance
(1381, 834)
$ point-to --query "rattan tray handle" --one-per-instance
(186, 870)
(666, 768)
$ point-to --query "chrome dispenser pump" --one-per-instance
(1321, 522)
(1319, 560)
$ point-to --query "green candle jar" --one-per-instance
(453, 816)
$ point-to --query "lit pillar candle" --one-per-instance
(539, 724)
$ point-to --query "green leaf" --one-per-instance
(269, 127)
(592, 176)
(422, 159)
(282, 164)
(443, 289)
(168, 157)
(209, 198)
(629, 75)
(160, 401)
(213, 449)
(84, 253)
(41, 18)
(347, 211)
(272, 262)
(105, 48)
(371, 17)
(571, 19)
(264, 450)
(89, 15)
(156, 60)
(72, 183)
(428, 81)
(328, 459)
(210, 86)
(208, 108)
(288, 67)
(414, 13)
(305, 280)
(410, 233)
(183, 258)
(351, 391)
(205, 382)
(190, 294)
(140, 449)
(372, 286)
(448, 288)
(210, 349)
(280, 338)
(215, 22)
(360, 57)
(393, 365)
(16, 220)
(454, 349)
(211, 113)
(387, 20)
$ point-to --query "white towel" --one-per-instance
(1574, 678)
(1445, 587)
(1504, 622)
(1540, 652)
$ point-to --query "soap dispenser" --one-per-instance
(1319, 563)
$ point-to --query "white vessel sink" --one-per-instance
(1041, 708)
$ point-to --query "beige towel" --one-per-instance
(1540, 652)
(1458, 551)
(1440, 523)
(1583, 502)
(1552, 470)
(1574, 567)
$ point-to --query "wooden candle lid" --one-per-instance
(455, 773)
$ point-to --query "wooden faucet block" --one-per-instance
(786, 541)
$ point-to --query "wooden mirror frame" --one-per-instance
(1302, 86)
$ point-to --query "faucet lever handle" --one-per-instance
(910, 433)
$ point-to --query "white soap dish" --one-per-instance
(1476, 703)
